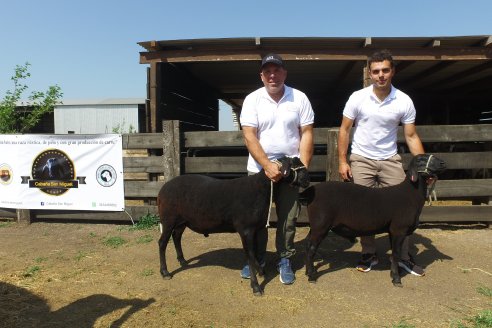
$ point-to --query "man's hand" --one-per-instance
(272, 171)
(345, 171)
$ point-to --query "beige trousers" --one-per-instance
(376, 174)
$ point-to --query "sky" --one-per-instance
(89, 48)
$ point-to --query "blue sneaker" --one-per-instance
(286, 276)
(245, 273)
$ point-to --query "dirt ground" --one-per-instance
(74, 275)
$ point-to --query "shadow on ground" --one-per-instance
(21, 308)
(333, 254)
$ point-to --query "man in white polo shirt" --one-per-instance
(277, 121)
(377, 110)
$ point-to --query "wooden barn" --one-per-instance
(449, 78)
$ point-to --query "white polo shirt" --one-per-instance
(277, 124)
(376, 122)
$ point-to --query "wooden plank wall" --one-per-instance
(223, 154)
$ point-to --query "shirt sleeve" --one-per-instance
(249, 114)
(351, 107)
(409, 114)
(307, 113)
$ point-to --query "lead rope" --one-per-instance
(430, 191)
(270, 207)
(276, 161)
(427, 164)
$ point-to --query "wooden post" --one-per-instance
(23, 216)
(332, 156)
(155, 97)
(148, 116)
(171, 147)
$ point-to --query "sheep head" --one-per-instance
(284, 164)
(298, 174)
(425, 165)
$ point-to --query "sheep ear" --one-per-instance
(285, 170)
(413, 175)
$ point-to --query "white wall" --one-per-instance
(95, 119)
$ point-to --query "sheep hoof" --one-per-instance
(312, 279)
(258, 292)
(166, 275)
(183, 263)
(397, 284)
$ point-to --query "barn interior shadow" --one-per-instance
(21, 308)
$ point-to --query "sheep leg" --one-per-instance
(396, 245)
(311, 248)
(166, 234)
(177, 234)
(248, 240)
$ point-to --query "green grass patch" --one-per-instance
(5, 224)
(31, 271)
(144, 239)
(172, 310)
(114, 242)
(146, 222)
(402, 324)
(486, 291)
(92, 234)
(40, 259)
(80, 255)
(147, 272)
(482, 320)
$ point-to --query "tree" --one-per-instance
(20, 119)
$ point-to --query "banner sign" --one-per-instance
(69, 172)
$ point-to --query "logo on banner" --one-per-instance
(53, 173)
(106, 175)
(5, 174)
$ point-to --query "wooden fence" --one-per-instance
(161, 156)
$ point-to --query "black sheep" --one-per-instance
(352, 210)
(208, 205)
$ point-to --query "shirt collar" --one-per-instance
(391, 96)
(287, 92)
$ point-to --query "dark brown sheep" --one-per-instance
(208, 205)
(352, 210)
